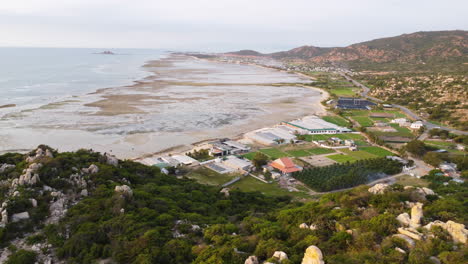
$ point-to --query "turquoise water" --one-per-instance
(35, 76)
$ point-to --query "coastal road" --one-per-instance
(429, 125)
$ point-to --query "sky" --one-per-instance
(219, 25)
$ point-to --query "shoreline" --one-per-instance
(181, 149)
(215, 85)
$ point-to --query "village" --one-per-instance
(266, 159)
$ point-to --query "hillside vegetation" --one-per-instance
(85, 207)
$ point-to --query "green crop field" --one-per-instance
(341, 158)
(377, 151)
(336, 120)
(343, 91)
(249, 155)
(363, 121)
(320, 151)
(340, 136)
(273, 153)
(298, 153)
(359, 154)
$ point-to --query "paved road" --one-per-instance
(429, 125)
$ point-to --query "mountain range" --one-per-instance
(414, 48)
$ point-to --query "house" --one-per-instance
(417, 125)
(336, 140)
(403, 122)
(186, 160)
(239, 147)
(353, 148)
(219, 150)
(285, 165)
(354, 103)
(349, 142)
(387, 105)
(460, 147)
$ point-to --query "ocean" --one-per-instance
(30, 77)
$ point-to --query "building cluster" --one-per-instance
(354, 103)
(403, 122)
(287, 132)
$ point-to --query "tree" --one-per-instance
(432, 158)
(259, 159)
(416, 147)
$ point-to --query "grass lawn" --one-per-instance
(343, 91)
(298, 153)
(341, 158)
(358, 154)
(336, 120)
(377, 151)
(413, 181)
(207, 176)
(249, 184)
(363, 121)
(273, 153)
(249, 155)
(361, 143)
(320, 151)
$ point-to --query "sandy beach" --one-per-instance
(185, 100)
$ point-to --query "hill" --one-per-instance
(420, 50)
(86, 207)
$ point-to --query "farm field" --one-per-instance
(337, 120)
(341, 158)
(273, 153)
(377, 151)
(249, 184)
(320, 151)
(359, 154)
(298, 153)
(363, 121)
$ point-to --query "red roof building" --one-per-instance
(285, 165)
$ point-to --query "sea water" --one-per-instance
(37, 76)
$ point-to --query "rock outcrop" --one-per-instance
(111, 160)
(304, 226)
(225, 191)
(5, 167)
(40, 153)
(313, 255)
(416, 215)
(410, 232)
(251, 260)
(457, 231)
(379, 188)
(280, 255)
(92, 169)
(404, 219)
(19, 216)
(125, 190)
(409, 242)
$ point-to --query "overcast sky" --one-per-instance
(219, 25)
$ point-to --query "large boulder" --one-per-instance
(457, 231)
(379, 188)
(124, 189)
(313, 255)
(5, 167)
(251, 260)
(225, 191)
(409, 242)
(410, 232)
(416, 215)
(404, 219)
(19, 216)
(111, 160)
(303, 226)
(280, 255)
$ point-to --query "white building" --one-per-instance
(237, 163)
(316, 125)
(403, 122)
(417, 125)
(186, 160)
